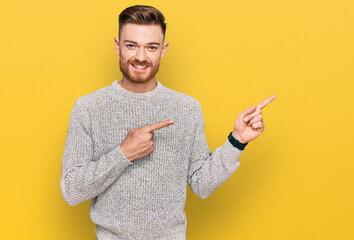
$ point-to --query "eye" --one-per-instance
(130, 45)
(152, 47)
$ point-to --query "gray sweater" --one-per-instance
(145, 198)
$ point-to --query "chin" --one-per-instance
(140, 79)
(136, 79)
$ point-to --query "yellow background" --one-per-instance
(295, 181)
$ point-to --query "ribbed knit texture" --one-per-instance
(143, 199)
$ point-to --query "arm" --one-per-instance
(208, 171)
(82, 177)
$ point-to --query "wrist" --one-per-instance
(238, 138)
(236, 143)
(126, 153)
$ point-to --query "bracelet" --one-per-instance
(236, 143)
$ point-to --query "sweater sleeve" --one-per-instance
(208, 171)
(82, 176)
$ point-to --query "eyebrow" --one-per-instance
(150, 43)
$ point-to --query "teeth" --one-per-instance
(139, 66)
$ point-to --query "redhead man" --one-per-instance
(133, 146)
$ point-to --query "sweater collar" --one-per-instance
(130, 94)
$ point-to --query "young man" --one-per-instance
(133, 146)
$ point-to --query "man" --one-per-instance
(133, 146)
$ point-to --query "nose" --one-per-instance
(140, 55)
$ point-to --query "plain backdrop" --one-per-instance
(295, 180)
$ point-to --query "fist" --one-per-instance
(138, 142)
(248, 125)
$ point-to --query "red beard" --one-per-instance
(134, 75)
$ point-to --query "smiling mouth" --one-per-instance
(139, 67)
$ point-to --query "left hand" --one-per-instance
(249, 123)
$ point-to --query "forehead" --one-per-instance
(142, 33)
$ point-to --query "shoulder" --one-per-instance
(93, 99)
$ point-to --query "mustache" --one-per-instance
(144, 63)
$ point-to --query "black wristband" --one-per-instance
(236, 143)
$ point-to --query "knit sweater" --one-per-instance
(145, 198)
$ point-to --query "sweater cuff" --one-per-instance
(236, 143)
(118, 158)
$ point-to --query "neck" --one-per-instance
(138, 87)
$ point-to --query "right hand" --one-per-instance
(138, 142)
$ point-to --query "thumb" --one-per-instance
(248, 111)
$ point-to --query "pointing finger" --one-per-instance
(266, 101)
(158, 125)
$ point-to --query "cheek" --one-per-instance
(155, 58)
(126, 56)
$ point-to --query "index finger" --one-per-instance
(266, 101)
(158, 125)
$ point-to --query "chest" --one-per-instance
(111, 123)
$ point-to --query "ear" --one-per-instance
(164, 48)
(116, 43)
